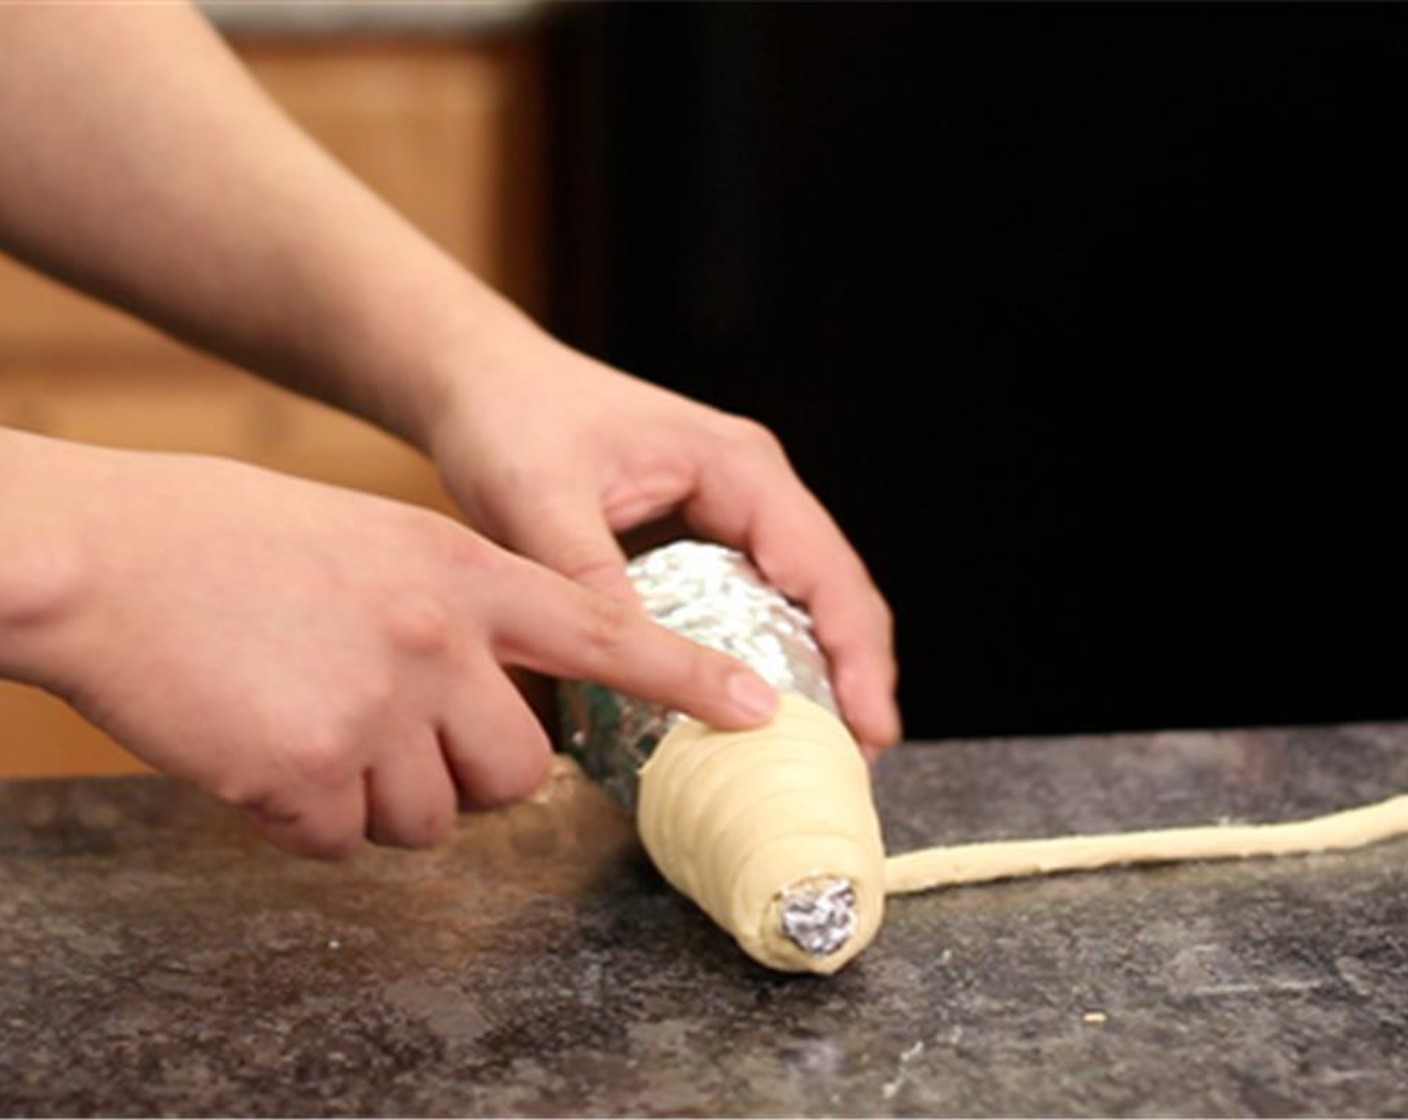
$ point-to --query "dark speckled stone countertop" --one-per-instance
(157, 959)
(335, 18)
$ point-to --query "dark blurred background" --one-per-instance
(1085, 321)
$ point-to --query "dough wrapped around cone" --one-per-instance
(772, 832)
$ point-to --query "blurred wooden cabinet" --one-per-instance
(449, 132)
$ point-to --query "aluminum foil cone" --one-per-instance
(714, 596)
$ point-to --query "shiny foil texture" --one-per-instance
(714, 596)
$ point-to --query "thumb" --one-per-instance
(569, 534)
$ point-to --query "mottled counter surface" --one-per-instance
(156, 958)
(437, 18)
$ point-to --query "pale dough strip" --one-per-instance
(931, 868)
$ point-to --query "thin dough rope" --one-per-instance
(946, 866)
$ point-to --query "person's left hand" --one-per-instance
(555, 455)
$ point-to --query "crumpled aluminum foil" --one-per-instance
(713, 595)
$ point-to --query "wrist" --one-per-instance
(43, 572)
(488, 349)
(395, 351)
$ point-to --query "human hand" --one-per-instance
(334, 663)
(313, 281)
(555, 455)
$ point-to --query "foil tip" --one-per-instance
(819, 915)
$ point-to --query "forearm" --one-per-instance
(143, 165)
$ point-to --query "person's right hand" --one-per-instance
(333, 662)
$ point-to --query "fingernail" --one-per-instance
(752, 695)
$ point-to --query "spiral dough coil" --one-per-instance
(736, 820)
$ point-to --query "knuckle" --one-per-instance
(514, 783)
(523, 770)
(416, 623)
(245, 791)
(582, 562)
(323, 759)
(753, 435)
(461, 549)
(331, 750)
(334, 847)
(425, 830)
(606, 627)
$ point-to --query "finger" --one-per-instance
(855, 629)
(411, 799)
(556, 627)
(496, 748)
(758, 504)
(328, 824)
(565, 529)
